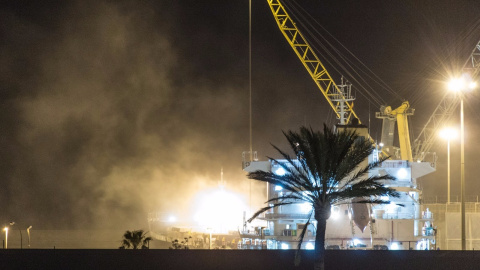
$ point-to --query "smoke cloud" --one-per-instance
(104, 121)
(112, 109)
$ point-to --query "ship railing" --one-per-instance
(398, 216)
(286, 216)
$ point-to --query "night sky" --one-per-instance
(111, 109)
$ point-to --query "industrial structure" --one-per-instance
(447, 216)
(370, 226)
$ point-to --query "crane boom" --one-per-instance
(444, 111)
(429, 133)
(338, 96)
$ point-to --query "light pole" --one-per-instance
(6, 237)
(210, 238)
(28, 233)
(461, 85)
(448, 134)
(462, 171)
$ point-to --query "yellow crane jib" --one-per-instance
(338, 96)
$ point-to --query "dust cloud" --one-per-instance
(104, 120)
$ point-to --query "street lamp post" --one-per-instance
(210, 238)
(6, 237)
(461, 85)
(28, 233)
(448, 134)
(462, 171)
(21, 238)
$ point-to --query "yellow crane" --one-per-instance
(339, 97)
(400, 116)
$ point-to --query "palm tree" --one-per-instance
(329, 168)
(135, 239)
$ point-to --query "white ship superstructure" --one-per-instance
(398, 225)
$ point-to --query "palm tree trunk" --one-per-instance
(319, 263)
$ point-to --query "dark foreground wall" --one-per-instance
(232, 259)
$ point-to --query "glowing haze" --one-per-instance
(112, 109)
(219, 210)
(102, 121)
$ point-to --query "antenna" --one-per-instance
(250, 88)
(250, 72)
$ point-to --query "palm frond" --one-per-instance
(125, 243)
(375, 201)
(266, 209)
(361, 173)
(134, 239)
(300, 240)
(293, 197)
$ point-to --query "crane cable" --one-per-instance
(339, 61)
(336, 54)
(444, 57)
